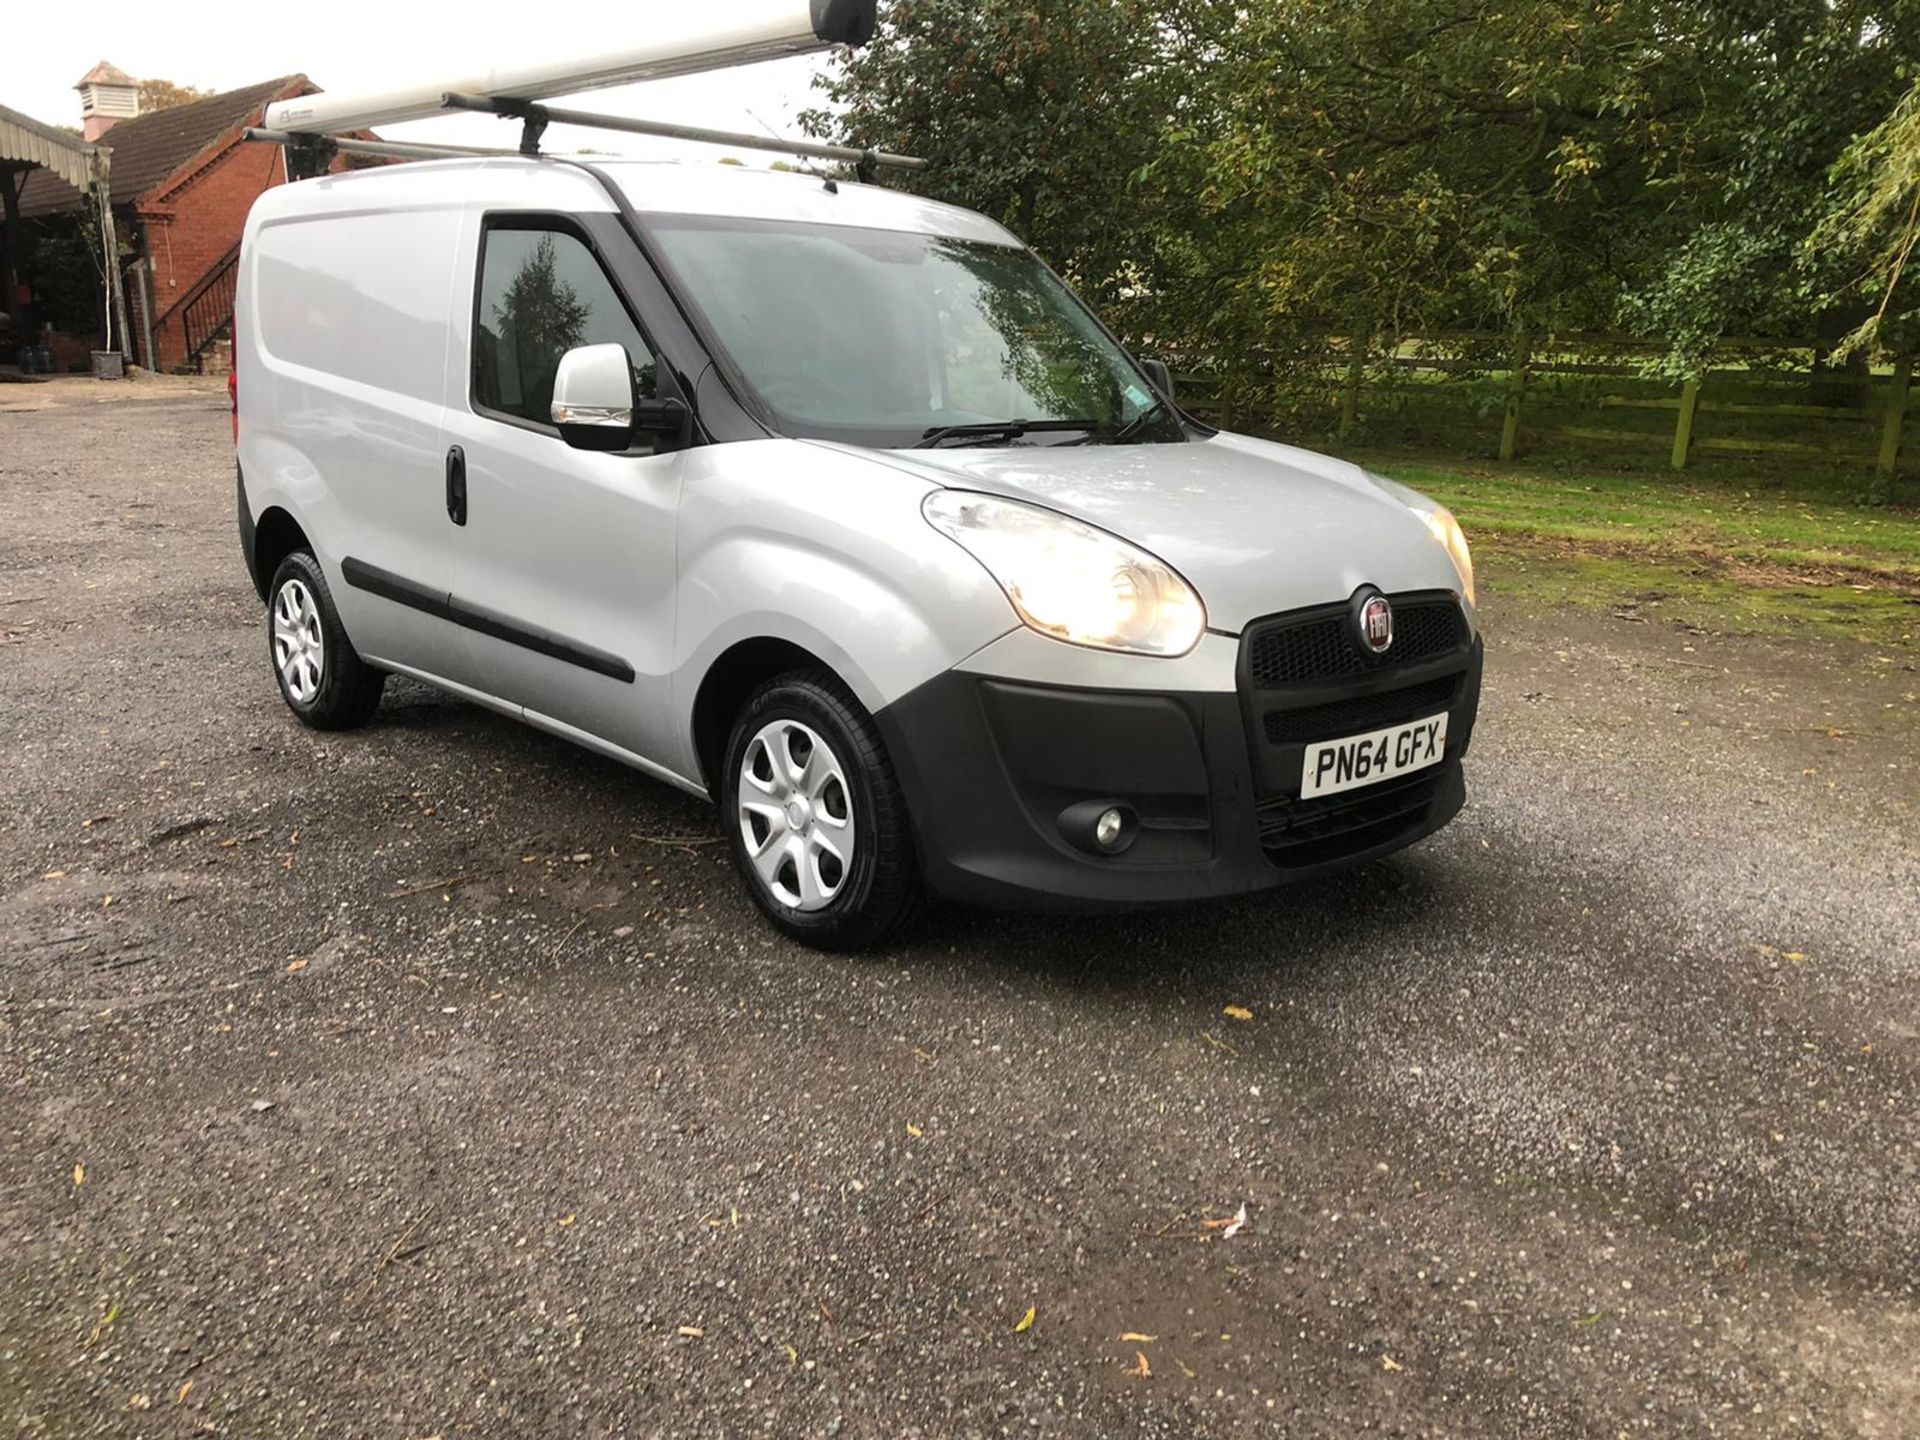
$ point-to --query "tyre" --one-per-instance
(323, 680)
(815, 818)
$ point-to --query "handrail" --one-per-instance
(206, 311)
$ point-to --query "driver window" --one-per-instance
(542, 292)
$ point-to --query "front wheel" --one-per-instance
(815, 818)
(322, 678)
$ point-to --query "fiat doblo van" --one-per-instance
(834, 505)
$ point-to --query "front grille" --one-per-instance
(1319, 644)
(1311, 832)
(1362, 713)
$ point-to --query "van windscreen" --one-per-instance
(883, 337)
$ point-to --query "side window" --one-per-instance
(542, 292)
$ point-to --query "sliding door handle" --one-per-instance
(457, 485)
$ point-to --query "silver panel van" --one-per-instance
(834, 505)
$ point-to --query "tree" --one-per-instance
(1244, 182)
(165, 95)
(540, 318)
(1040, 115)
(1866, 238)
(1787, 85)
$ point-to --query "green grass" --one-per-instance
(1734, 554)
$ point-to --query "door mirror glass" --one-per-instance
(593, 397)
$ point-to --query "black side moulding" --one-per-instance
(844, 22)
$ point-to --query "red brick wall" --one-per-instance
(208, 214)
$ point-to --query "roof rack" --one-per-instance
(535, 118)
(314, 127)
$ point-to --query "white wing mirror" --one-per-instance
(593, 397)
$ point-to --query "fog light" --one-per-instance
(1099, 827)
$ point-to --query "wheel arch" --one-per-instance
(276, 535)
(735, 674)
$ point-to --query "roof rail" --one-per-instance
(682, 40)
(328, 145)
(535, 118)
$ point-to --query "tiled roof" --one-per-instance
(105, 74)
(149, 148)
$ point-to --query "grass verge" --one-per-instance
(1723, 557)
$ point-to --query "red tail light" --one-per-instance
(233, 395)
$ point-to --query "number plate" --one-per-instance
(1335, 765)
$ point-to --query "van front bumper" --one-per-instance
(1002, 777)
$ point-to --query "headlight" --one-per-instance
(1447, 531)
(1069, 580)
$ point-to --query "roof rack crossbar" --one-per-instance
(536, 117)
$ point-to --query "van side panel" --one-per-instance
(343, 374)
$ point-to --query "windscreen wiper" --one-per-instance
(997, 430)
(1125, 433)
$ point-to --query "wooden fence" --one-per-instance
(1762, 397)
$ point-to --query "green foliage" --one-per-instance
(1250, 185)
(1868, 234)
(1035, 114)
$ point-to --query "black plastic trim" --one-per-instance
(544, 642)
(397, 588)
(415, 596)
(249, 532)
(697, 353)
(988, 767)
(844, 22)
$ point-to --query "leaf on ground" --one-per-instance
(914, 1130)
(1184, 1370)
(692, 1332)
(1026, 1320)
(54, 875)
(186, 1389)
(1237, 1012)
(294, 967)
(79, 1174)
(567, 1219)
(1134, 1337)
(1141, 1369)
(1227, 1225)
(1387, 1362)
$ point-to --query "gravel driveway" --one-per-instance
(437, 1079)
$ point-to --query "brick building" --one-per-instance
(182, 182)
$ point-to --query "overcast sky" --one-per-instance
(349, 45)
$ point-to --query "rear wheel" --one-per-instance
(323, 680)
(815, 817)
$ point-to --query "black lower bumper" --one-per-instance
(1002, 776)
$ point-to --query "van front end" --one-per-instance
(1113, 791)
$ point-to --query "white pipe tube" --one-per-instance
(682, 41)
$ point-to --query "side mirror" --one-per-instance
(1162, 379)
(595, 407)
(593, 397)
